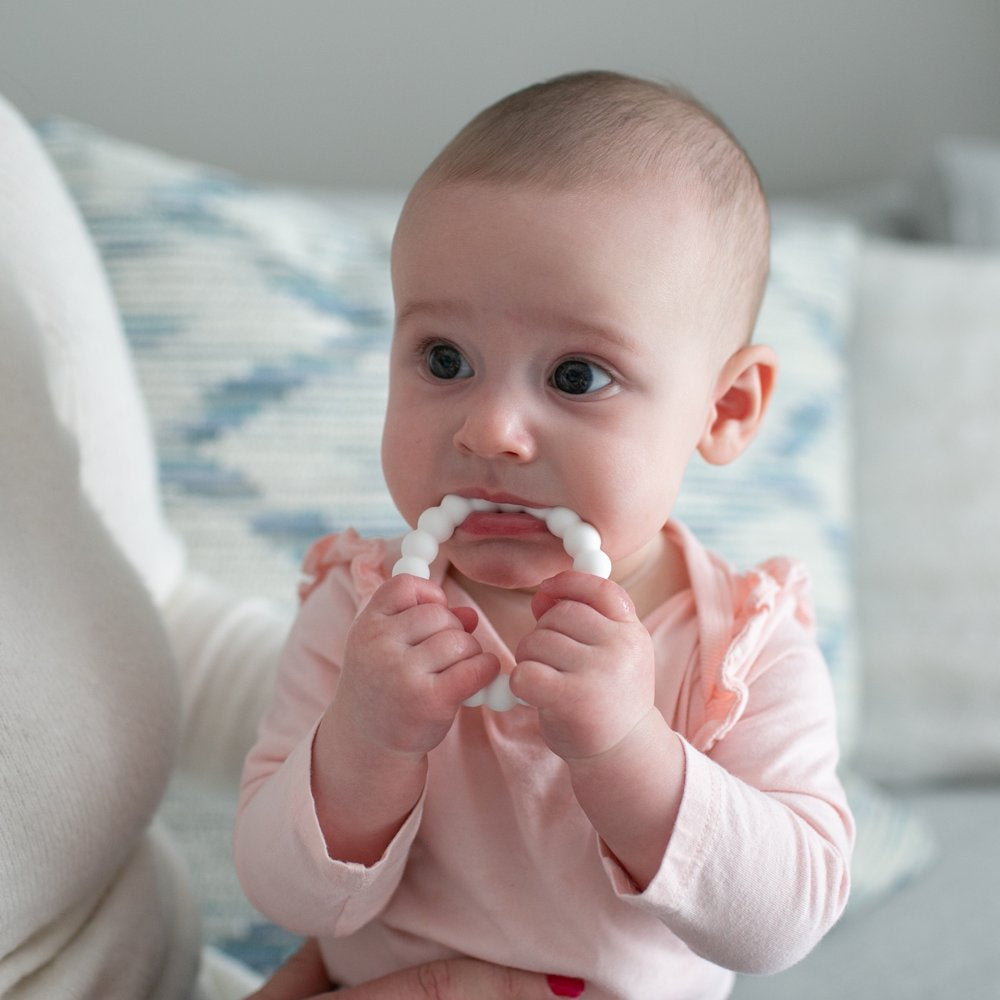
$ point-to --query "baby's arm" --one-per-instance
(409, 663)
(758, 866)
(742, 852)
(589, 669)
(304, 817)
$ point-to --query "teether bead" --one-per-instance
(412, 565)
(478, 699)
(580, 538)
(436, 523)
(498, 695)
(456, 509)
(593, 561)
(559, 519)
(420, 545)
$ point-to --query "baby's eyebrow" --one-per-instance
(566, 324)
(599, 332)
(445, 308)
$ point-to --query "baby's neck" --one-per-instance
(508, 611)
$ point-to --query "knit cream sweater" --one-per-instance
(115, 661)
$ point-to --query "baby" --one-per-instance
(577, 277)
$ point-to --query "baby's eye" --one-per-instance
(577, 377)
(445, 361)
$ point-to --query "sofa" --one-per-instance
(259, 319)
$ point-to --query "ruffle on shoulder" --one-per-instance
(364, 559)
(774, 592)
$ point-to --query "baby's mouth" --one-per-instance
(437, 524)
(502, 523)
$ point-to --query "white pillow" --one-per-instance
(927, 396)
(964, 193)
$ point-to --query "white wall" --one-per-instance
(823, 92)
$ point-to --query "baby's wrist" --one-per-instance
(609, 750)
(371, 744)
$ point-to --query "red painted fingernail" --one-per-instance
(564, 986)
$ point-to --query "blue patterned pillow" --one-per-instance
(260, 321)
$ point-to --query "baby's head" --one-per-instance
(605, 133)
(577, 276)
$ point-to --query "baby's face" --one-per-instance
(551, 349)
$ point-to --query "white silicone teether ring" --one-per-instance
(581, 541)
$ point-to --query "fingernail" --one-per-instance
(564, 986)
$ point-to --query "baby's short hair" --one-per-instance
(595, 127)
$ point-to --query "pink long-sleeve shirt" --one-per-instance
(498, 860)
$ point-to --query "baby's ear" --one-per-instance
(741, 396)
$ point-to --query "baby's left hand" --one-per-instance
(587, 667)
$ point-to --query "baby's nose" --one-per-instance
(496, 427)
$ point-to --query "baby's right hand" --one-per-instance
(409, 663)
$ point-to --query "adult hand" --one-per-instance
(302, 977)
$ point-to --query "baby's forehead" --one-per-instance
(678, 195)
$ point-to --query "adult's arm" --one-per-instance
(225, 648)
(302, 978)
(90, 903)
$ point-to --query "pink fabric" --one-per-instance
(499, 862)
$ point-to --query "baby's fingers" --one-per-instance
(443, 648)
(604, 596)
(463, 679)
(536, 683)
(468, 617)
(400, 593)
